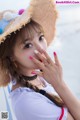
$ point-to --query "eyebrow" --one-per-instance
(27, 39)
(23, 41)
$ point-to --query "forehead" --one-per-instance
(28, 32)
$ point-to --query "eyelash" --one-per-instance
(41, 38)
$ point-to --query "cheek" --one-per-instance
(22, 57)
(25, 57)
(26, 62)
(28, 53)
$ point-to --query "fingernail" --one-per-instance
(54, 53)
(33, 72)
(35, 51)
(30, 57)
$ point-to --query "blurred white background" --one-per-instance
(67, 44)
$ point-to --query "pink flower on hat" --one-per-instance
(21, 11)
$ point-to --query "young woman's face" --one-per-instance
(22, 51)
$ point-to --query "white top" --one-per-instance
(30, 105)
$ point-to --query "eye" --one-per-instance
(41, 38)
(28, 45)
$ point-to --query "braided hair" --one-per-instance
(54, 98)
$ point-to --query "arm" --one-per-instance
(52, 73)
(69, 99)
(65, 93)
(69, 117)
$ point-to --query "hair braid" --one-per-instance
(55, 99)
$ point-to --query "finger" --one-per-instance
(47, 57)
(37, 62)
(57, 62)
(40, 49)
(40, 56)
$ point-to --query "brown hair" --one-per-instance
(6, 51)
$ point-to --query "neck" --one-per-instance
(36, 82)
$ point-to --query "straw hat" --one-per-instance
(41, 11)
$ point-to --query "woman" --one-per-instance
(22, 53)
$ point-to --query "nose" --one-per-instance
(38, 47)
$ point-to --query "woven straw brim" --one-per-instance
(42, 12)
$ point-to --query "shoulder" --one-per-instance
(35, 106)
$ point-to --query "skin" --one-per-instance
(52, 72)
(23, 51)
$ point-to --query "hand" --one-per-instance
(51, 70)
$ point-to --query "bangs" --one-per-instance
(28, 31)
